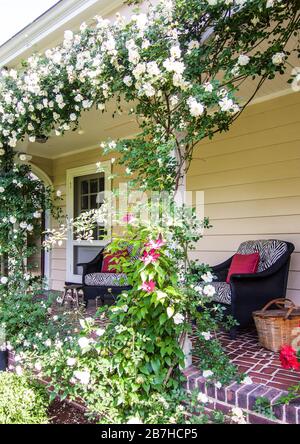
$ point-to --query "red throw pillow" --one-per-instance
(108, 261)
(243, 264)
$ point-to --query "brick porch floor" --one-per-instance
(261, 365)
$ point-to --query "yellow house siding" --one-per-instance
(251, 179)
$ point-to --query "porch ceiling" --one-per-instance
(98, 127)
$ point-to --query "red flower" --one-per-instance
(149, 257)
(288, 358)
(149, 286)
(156, 244)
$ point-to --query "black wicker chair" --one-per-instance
(249, 292)
(106, 286)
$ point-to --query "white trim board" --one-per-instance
(71, 174)
(48, 256)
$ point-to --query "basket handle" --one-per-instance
(280, 302)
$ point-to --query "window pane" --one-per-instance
(84, 203)
(101, 184)
(94, 186)
(82, 255)
(93, 202)
(84, 187)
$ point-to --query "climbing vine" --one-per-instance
(178, 69)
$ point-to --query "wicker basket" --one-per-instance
(277, 327)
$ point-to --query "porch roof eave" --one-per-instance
(46, 30)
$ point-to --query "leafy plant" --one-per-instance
(21, 401)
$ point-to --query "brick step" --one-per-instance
(244, 397)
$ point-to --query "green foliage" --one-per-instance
(21, 401)
(264, 407)
(180, 67)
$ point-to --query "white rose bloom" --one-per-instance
(148, 90)
(134, 420)
(196, 108)
(12, 220)
(57, 57)
(206, 335)
(84, 323)
(174, 101)
(270, 3)
(207, 87)
(178, 319)
(83, 376)
(174, 66)
(68, 35)
(38, 366)
(100, 332)
(207, 277)
(78, 98)
(226, 104)
(175, 52)
(84, 343)
(218, 385)
(238, 416)
(2, 152)
(73, 117)
(2, 190)
(71, 362)
(19, 370)
(209, 290)
(4, 280)
(193, 45)
(247, 381)
(243, 60)
(133, 56)
(278, 58)
(139, 70)
(141, 21)
(37, 215)
(86, 104)
(153, 69)
(127, 80)
(203, 398)
(207, 374)
(29, 227)
(58, 193)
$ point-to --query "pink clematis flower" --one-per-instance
(149, 286)
(128, 218)
(156, 244)
(149, 257)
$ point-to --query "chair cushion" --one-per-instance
(223, 292)
(109, 261)
(243, 263)
(270, 250)
(106, 280)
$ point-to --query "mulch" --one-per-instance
(64, 413)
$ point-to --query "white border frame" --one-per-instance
(85, 170)
(47, 254)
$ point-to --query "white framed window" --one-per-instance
(86, 190)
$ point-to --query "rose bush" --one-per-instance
(179, 67)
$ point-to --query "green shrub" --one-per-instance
(21, 401)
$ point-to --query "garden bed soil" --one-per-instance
(64, 413)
